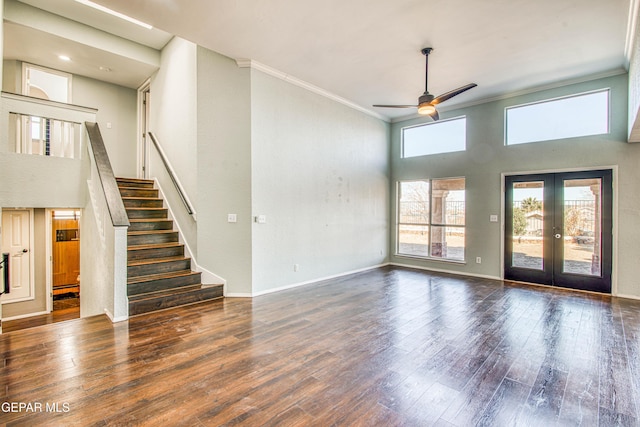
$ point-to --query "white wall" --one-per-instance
(320, 175)
(224, 170)
(487, 157)
(173, 120)
(117, 118)
(634, 80)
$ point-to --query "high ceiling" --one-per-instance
(368, 51)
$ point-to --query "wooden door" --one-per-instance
(66, 252)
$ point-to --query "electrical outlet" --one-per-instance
(478, 260)
(232, 218)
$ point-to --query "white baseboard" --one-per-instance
(439, 270)
(295, 285)
(24, 316)
(115, 319)
(635, 297)
(238, 295)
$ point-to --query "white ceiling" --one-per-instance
(368, 51)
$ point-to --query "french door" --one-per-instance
(558, 229)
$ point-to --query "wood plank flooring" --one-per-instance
(387, 347)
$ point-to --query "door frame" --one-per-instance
(32, 269)
(614, 215)
(143, 127)
(48, 227)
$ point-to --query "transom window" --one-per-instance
(46, 83)
(569, 117)
(431, 218)
(445, 136)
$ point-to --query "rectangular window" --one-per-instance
(46, 83)
(445, 136)
(431, 218)
(569, 117)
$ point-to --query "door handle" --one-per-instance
(558, 235)
(24, 251)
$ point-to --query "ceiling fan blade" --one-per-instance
(396, 106)
(451, 94)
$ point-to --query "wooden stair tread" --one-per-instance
(159, 275)
(147, 261)
(168, 292)
(149, 232)
(142, 198)
(168, 275)
(155, 246)
(121, 178)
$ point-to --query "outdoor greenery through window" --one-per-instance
(445, 136)
(569, 117)
(431, 218)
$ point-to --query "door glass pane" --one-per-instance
(582, 235)
(527, 225)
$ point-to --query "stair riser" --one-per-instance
(158, 267)
(142, 203)
(148, 305)
(151, 225)
(139, 192)
(140, 254)
(134, 183)
(152, 239)
(162, 284)
(146, 213)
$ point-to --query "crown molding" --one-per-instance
(632, 28)
(249, 63)
(534, 89)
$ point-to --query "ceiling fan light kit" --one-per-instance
(427, 102)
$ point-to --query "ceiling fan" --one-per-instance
(427, 102)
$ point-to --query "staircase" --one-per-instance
(158, 274)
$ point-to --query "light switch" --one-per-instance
(232, 218)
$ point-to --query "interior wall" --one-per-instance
(634, 82)
(486, 158)
(116, 115)
(117, 118)
(174, 110)
(11, 76)
(320, 176)
(224, 170)
(173, 120)
(39, 303)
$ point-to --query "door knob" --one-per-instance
(557, 236)
(24, 251)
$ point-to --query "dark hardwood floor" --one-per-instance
(63, 310)
(387, 347)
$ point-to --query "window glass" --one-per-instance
(47, 84)
(578, 115)
(432, 138)
(431, 218)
